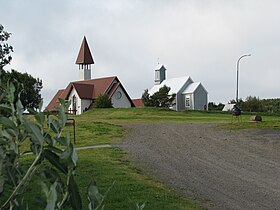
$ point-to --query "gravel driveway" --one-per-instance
(223, 169)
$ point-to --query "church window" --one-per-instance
(188, 102)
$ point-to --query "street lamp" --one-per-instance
(238, 73)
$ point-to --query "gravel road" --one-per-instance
(223, 169)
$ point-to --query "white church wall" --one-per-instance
(78, 101)
(85, 103)
(200, 98)
(119, 99)
(181, 97)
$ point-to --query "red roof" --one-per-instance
(84, 56)
(54, 102)
(138, 102)
(90, 89)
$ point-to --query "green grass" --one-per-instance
(131, 184)
(157, 116)
(95, 133)
(103, 126)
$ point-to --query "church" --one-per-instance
(82, 94)
(189, 94)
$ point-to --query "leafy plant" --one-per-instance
(161, 98)
(48, 143)
(103, 101)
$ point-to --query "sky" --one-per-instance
(202, 39)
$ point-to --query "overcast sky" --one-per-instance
(198, 38)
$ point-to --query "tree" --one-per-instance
(103, 101)
(213, 106)
(28, 87)
(24, 83)
(146, 98)
(252, 104)
(160, 98)
(5, 48)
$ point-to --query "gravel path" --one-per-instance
(222, 169)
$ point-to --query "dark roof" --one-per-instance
(138, 102)
(84, 56)
(54, 104)
(89, 89)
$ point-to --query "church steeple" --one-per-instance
(84, 60)
(160, 74)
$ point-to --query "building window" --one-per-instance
(74, 105)
(188, 102)
(118, 95)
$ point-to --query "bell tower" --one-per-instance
(160, 74)
(84, 60)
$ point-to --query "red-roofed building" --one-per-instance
(138, 102)
(82, 94)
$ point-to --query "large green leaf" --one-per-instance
(55, 126)
(54, 160)
(51, 197)
(93, 195)
(69, 156)
(5, 107)
(40, 118)
(20, 108)
(61, 114)
(2, 181)
(75, 197)
(35, 131)
(6, 122)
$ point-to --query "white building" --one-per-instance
(189, 94)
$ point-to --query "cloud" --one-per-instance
(200, 38)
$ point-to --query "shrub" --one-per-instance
(103, 101)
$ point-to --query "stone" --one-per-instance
(256, 118)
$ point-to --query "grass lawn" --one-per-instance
(131, 184)
(103, 126)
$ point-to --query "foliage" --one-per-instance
(252, 104)
(5, 48)
(146, 98)
(255, 104)
(213, 106)
(160, 98)
(28, 86)
(103, 101)
(46, 144)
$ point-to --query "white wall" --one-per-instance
(78, 103)
(121, 102)
(200, 98)
(84, 72)
(85, 104)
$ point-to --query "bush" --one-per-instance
(103, 101)
(160, 98)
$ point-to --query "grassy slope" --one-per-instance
(132, 185)
(99, 126)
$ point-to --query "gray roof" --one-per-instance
(175, 84)
(191, 88)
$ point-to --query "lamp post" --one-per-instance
(237, 72)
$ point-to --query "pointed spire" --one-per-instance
(84, 56)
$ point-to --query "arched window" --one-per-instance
(74, 104)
